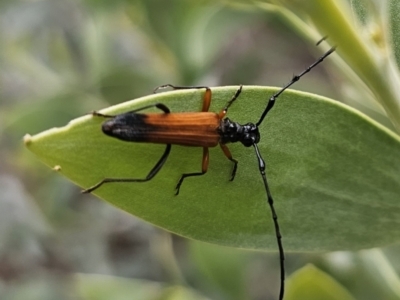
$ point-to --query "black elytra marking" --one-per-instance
(193, 129)
(128, 127)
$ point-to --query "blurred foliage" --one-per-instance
(63, 58)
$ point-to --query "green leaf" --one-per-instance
(334, 173)
(102, 287)
(181, 293)
(223, 267)
(383, 271)
(360, 10)
(312, 284)
(394, 29)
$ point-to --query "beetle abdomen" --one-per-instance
(186, 129)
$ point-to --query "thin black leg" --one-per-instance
(224, 111)
(228, 154)
(204, 169)
(97, 114)
(160, 106)
(235, 96)
(177, 87)
(149, 176)
(178, 186)
(207, 95)
(261, 166)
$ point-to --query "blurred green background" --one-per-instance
(63, 58)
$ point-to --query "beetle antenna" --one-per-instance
(295, 78)
(261, 166)
(321, 40)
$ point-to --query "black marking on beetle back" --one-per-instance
(131, 127)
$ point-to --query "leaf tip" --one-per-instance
(57, 168)
(27, 139)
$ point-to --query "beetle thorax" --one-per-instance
(232, 132)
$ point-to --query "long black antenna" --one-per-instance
(261, 166)
(295, 78)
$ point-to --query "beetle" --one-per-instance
(197, 129)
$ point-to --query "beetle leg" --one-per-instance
(229, 103)
(207, 95)
(153, 172)
(228, 154)
(204, 169)
(160, 106)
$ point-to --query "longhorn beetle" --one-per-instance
(199, 129)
